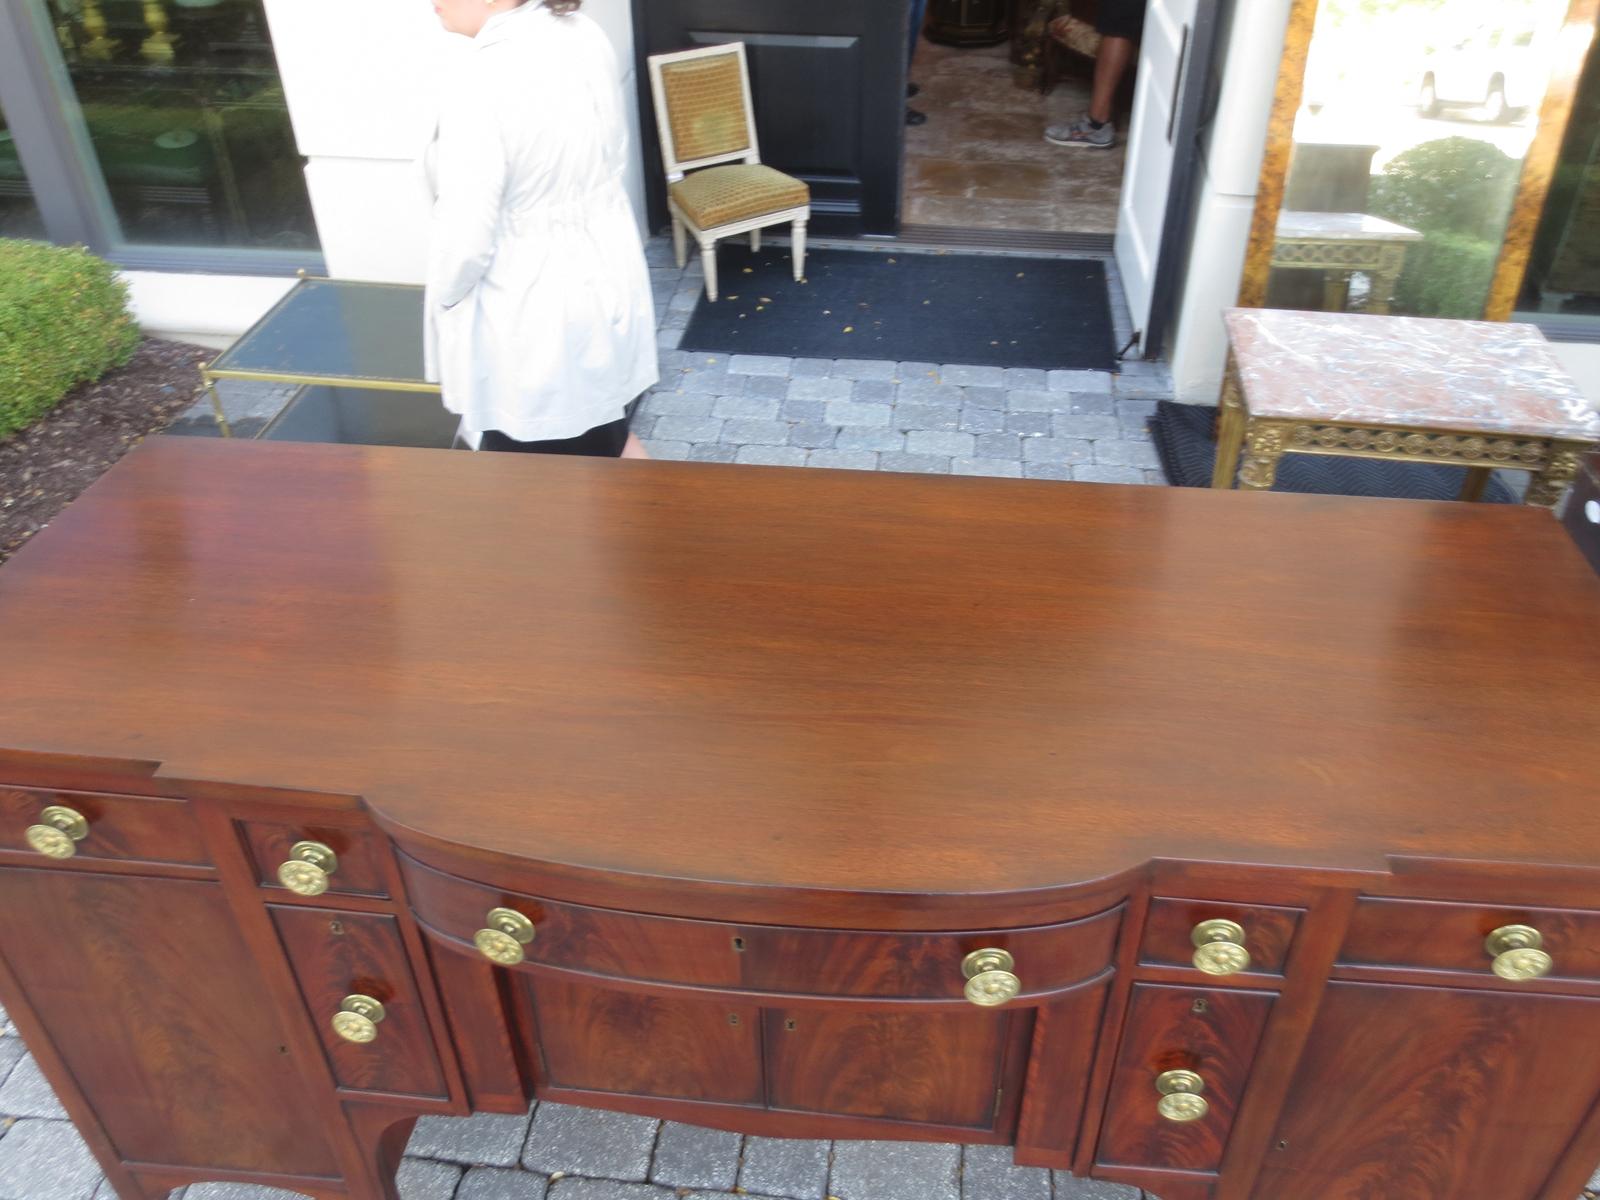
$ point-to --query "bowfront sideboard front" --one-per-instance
(1237, 846)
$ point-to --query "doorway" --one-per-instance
(980, 159)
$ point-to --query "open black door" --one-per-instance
(828, 78)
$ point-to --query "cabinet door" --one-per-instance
(1413, 1093)
(151, 997)
(942, 1069)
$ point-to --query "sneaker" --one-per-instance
(1083, 133)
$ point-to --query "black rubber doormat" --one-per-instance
(1185, 443)
(983, 310)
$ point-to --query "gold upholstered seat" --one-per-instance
(725, 195)
(716, 183)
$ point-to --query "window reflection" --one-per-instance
(185, 114)
(1415, 119)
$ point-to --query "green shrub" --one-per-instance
(1451, 185)
(64, 320)
(1447, 275)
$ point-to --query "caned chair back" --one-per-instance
(703, 110)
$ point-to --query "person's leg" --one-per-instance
(1120, 24)
(634, 448)
(919, 15)
(1109, 66)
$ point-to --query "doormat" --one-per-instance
(1186, 445)
(978, 309)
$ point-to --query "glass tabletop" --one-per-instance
(335, 330)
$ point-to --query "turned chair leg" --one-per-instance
(708, 260)
(680, 243)
(755, 240)
(798, 241)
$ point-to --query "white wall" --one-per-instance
(360, 76)
(209, 310)
(1582, 361)
(1226, 197)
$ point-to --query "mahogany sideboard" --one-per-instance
(1238, 846)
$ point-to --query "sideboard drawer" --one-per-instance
(764, 958)
(1431, 935)
(110, 828)
(1174, 936)
(1209, 1034)
(339, 955)
(356, 868)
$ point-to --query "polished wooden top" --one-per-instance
(820, 679)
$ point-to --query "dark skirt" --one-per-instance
(603, 441)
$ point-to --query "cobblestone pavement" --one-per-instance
(868, 414)
(845, 414)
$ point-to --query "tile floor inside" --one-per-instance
(981, 160)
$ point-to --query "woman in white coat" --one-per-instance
(540, 326)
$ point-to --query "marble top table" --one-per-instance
(1471, 393)
(1343, 242)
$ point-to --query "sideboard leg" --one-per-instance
(381, 1135)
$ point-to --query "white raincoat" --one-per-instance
(539, 320)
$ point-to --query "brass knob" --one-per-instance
(1180, 1096)
(357, 1019)
(1219, 947)
(989, 978)
(58, 832)
(1518, 953)
(507, 933)
(306, 873)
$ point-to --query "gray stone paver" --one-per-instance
(849, 460)
(1069, 1187)
(422, 1179)
(26, 1094)
(788, 1167)
(914, 464)
(987, 1173)
(223, 1191)
(46, 1160)
(605, 1189)
(998, 468)
(746, 407)
(772, 456)
(940, 442)
(1080, 381)
(11, 1053)
(582, 1141)
(688, 1156)
(895, 1171)
(494, 1183)
(487, 1139)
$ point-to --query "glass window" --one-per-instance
(19, 214)
(181, 107)
(1563, 277)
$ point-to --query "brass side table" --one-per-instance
(1476, 394)
(330, 333)
(1340, 243)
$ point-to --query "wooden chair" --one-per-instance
(716, 185)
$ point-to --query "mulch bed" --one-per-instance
(46, 466)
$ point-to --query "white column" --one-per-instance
(1226, 200)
